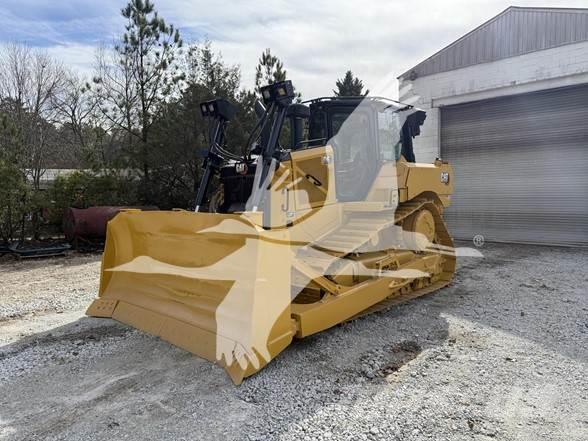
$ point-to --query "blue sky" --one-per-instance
(318, 40)
(47, 24)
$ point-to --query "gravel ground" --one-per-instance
(47, 285)
(500, 354)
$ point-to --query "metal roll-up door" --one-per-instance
(520, 167)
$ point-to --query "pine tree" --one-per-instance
(142, 76)
(206, 67)
(349, 86)
(270, 70)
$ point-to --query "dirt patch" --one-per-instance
(380, 363)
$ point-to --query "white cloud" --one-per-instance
(318, 40)
(76, 56)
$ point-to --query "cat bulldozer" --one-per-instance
(322, 217)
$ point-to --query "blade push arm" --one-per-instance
(277, 97)
(221, 111)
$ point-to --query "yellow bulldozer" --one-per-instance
(324, 216)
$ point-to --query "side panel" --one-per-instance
(314, 178)
(416, 179)
(314, 205)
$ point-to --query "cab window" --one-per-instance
(354, 149)
(389, 132)
(352, 135)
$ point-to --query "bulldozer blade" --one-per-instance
(166, 274)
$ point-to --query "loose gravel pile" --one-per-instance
(501, 354)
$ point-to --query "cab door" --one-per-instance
(355, 149)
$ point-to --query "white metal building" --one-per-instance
(507, 105)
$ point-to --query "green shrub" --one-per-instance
(83, 189)
(14, 198)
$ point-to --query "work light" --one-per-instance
(218, 108)
(278, 92)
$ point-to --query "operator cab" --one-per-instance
(379, 120)
(364, 132)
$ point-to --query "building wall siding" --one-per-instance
(544, 69)
(515, 32)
